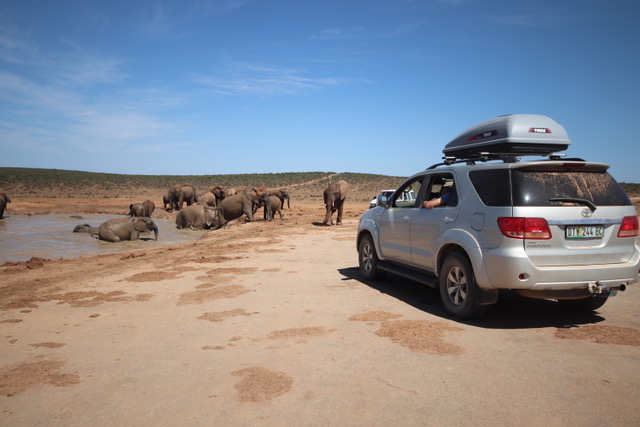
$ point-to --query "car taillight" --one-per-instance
(629, 227)
(524, 228)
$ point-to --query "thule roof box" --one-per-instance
(510, 135)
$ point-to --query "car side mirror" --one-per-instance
(383, 201)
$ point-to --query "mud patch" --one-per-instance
(48, 345)
(152, 276)
(312, 331)
(134, 255)
(14, 380)
(221, 315)
(204, 295)
(216, 259)
(223, 278)
(232, 270)
(421, 336)
(374, 316)
(601, 334)
(34, 262)
(11, 321)
(213, 347)
(93, 298)
(261, 384)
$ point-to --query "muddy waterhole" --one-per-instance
(51, 236)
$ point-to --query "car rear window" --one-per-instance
(537, 187)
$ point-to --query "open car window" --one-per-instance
(443, 186)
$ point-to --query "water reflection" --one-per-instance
(52, 237)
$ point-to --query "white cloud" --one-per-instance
(170, 20)
(266, 81)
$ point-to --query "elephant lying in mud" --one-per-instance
(198, 217)
(334, 196)
(4, 199)
(119, 229)
(85, 228)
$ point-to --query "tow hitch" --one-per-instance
(604, 290)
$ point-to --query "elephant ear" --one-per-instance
(143, 224)
(139, 224)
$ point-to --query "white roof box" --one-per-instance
(513, 134)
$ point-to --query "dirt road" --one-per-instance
(270, 324)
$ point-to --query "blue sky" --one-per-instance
(180, 87)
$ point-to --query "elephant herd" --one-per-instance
(210, 210)
(217, 206)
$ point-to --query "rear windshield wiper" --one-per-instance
(585, 202)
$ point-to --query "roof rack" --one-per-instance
(504, 157)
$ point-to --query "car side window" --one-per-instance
(441, 192)
(405, 197)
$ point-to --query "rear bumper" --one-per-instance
(520, 274)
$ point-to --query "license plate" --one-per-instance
(584, 232)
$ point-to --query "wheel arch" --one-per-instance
(369, 228)
(462, 241)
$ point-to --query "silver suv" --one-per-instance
(549, 227)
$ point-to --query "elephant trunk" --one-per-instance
(154, 228)
(288, 202)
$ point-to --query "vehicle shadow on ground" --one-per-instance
(512, 311)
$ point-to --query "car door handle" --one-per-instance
(406, 218)
(447, 219)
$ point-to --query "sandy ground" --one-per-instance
(269, 323)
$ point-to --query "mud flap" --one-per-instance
(483, 297)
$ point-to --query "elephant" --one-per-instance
(334, 196)
(219, 192)
(166, 201)
(235, 206)
(181, 193)
(4, 199)
(137, 209)
(119, 229)
(283, 195)
(276, 206)
(85, 228)
(207, 199)
(198, 217)
(149, 207)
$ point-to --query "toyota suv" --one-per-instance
(506, 211)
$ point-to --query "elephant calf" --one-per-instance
(276, 206)
(198, 217)
(145, 208)
(119, 229)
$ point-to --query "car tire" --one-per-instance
(368, 259)
(458, 287)
(584, 304)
